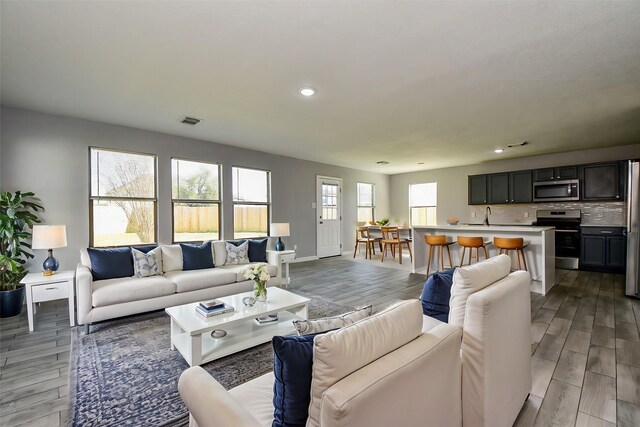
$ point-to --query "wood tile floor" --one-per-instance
(585, 346)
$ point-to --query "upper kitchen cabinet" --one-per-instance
(602, 182)
(555, 174)
(498, 186)
(477, 189)
(520, 187)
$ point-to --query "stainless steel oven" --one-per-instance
(567, 234)
(556, 191)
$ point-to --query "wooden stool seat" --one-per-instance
(506, 244)
(439, 242)
(472, 243)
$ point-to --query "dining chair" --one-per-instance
(391, 237)
(364, 236)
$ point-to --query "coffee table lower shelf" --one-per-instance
(201, 348)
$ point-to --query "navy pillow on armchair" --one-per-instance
(292, 359)
(436, 294)
(196, 257)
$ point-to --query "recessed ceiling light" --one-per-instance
(382, 162)
(499, 150)
(307, 91)
(421, 163)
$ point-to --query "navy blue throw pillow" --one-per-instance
(292, 359)
(258, 250)
(436, 294)
(110, 263)
(196, 257)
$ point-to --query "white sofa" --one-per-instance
(99, 300)
(401, 376)
(474, 371)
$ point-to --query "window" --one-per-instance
(196, 200)
(251, 202)
(366, 202)
(122, 198)
(422, 203)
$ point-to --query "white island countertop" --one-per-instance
(520, 228)
(539, 253)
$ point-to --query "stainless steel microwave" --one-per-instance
(556, 191)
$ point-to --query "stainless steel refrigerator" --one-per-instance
(633, 230)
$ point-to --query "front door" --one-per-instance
(329, 216)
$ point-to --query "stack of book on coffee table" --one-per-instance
(213, 308)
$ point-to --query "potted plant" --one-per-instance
(17, 216)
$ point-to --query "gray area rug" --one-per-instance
(124, 372)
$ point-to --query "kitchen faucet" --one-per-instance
(487, 212)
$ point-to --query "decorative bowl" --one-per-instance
(453, 221)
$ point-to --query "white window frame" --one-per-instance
(433, 205)
(98, 198)
(373, 200)
(174, 200)
(246, 203)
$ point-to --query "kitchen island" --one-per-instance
(540, 253)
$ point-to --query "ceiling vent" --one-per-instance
(382, 162)
(191, 121)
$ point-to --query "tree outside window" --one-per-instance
(196, 200)
(423, 203)
(251, 202)
(122, 198)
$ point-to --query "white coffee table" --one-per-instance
(191, 333)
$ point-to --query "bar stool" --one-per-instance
(506, 244)
(440, 242)
(472, 243)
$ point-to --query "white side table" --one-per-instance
(282, 260)
(41, 288)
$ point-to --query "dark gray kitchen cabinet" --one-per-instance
(555, 174)
(498, 186)
(477, 189)
(601, 182)
(520, 187)
(603, 249)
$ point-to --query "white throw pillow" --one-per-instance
(337, 354)
(316, 326)
(237, 254)
(149, 264)
(219, 248)
(171, 258)
(472, 278)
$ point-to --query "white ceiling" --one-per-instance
(442, 83)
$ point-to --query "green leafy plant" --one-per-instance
(383, 221)
(17, 216)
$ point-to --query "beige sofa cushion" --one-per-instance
(472, 278)
(339, 353)
(171, 258)
(192, 280)
(126, 289)
(257, 397)
(239, 270)
(219, 249)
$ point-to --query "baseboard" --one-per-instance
(306, 258)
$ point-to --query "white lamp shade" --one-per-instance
(279, 229)
(49, 237)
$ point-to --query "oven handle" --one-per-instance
(566, 231)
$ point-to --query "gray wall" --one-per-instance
(452, 182)
(49, 155)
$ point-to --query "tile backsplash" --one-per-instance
(604, 213)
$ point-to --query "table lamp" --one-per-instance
(49, 237)
(279, 229)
